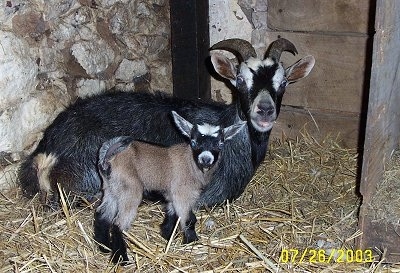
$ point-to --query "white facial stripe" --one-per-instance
(278, 77)
(268, 62)
(247, 75)
(206, 156)
(253, 63)
(208, 129)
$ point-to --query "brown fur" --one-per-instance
(140, 167)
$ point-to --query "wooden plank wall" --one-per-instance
(330, 100)
(383, 127)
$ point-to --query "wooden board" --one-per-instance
(319, 16)
(383, 126)
(189, 48)
(337, 80)
(292, 122)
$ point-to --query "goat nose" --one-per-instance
(206, 161)
(206, 158)
(265, 110)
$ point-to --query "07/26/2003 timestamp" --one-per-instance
(326, 256)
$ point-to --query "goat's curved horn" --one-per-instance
(242, 49)
(278, 46)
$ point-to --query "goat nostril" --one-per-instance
(262, 110)
(206, 161)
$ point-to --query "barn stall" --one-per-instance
(334, 139)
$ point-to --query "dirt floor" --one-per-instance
(299, 214)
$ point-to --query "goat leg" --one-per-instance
(118, 246)
(102, 232)
(167, 226)
(189, 232)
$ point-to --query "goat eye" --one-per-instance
(220, 145)
(239, 80)
(193, 143)
(284, 83)
(241, 84)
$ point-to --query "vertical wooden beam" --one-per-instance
(189, 45)
(382, 129)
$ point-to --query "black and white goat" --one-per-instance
(130, 167)
(67, 152)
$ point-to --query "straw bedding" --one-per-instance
(302, 197)
(383, 211)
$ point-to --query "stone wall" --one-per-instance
(54, 51)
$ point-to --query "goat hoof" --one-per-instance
(167, 230)
(166, 234)
(121, 258)
(189, 238)
(104, 249)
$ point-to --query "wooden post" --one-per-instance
(382, 129)
(189, 47)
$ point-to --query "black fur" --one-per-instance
(189, 235)
(118, 246)
(114, 241)
(167, 226)
(102, 232)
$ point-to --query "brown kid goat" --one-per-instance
(128, 168)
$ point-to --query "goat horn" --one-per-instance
(278, 46)
(242, 49)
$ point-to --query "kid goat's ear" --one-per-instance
(231, 131)
(183, 125)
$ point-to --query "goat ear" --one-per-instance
(300, 69)
(183, 125)
(223, 66)
(231, 131)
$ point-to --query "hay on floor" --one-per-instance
(384, 211)
(302, 197)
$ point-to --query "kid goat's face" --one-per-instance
(206, 140)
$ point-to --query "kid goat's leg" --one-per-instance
(104, 215)
(183, 208)
(190, 232)
(118, 246)
(170, 218)
(102, 232)
(128, 204)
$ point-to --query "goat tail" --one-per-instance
(109, 149)
(34, 173)
(28, 177)
(28, 172)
